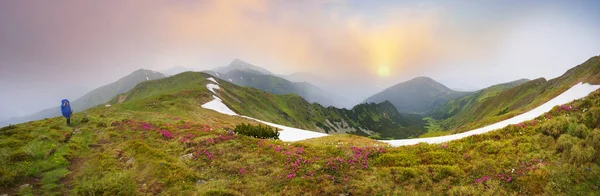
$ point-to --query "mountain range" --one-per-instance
(157, 138)
(245, 74)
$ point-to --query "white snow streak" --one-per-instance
(212, 87)
(213, 80)
(576, 92)
(218, 105)
(291, 134)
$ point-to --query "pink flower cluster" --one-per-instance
(208, 154)
(297, 165)
(566, 108)
(166, 134)
(208, 142)
(525, 124)
(186, 139)
(146, 126)
(164, 129)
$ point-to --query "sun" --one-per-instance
(383, 71)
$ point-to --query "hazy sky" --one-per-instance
(63, 48)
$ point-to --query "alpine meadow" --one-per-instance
(261, 97)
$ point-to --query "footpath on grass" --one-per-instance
(290, 134)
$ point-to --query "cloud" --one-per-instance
(53, 44)
(307, 37)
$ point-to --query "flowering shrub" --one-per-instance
(166, 134)
(298, 165)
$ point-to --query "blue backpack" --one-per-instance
(66, 108)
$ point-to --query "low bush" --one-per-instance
(565, 142)
(19, 156)
(591, 118)
(401, 174)
(580, 154)
(398, 159)
(578, 130)
(259, 131)
(554, 128)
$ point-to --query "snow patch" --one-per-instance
(217, 74)
(213, 80)
(230, 80)
(147, 79)
(212, 87)
(217, 105)
(290, 134)
(576, 92)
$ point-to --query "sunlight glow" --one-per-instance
(383, 71)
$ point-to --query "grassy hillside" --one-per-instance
(488, 106)
(159, 141)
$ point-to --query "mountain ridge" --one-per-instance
(245, 74)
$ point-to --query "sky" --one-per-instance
(51, 50)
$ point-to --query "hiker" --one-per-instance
(66, 110)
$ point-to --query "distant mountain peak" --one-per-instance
(240, 65)
(418, 95)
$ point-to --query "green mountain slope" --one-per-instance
(157, 140)
(377, 120)
(484, 108)
(95, 97)
(419, 95)
(476, 101)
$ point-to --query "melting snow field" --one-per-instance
(290, 134)
(576, 92)
(212, 87)
(213, 80)
(218, 105)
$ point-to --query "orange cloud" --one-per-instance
(306, 37)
